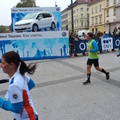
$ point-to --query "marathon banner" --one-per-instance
(116, 42)
(37, 45)
(81, 45)
(107, 43)
(103, 44)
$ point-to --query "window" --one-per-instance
(114, 2)
(87, 16)
(88, 23)
(107, 2)
(81, 24)
(100, 8)
(100, 19)
(107, 13)
(96, 20)
(92, 19)
(96, 30)
(74, 12)
(46, 15)
(81, 9)
(92, 11)
(81, 15)
(93, 30)
(114, 12)
(39, 16)
(87, 9)
(96, 9)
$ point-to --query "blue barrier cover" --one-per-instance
(81, 45)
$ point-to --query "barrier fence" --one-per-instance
(103, 44)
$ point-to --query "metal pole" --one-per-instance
(72, 15)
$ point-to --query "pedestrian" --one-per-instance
(76, 40)
(93, 58)
(118, 54)
(71, 44)
(106, 35)
(18, 99)
(100, 36)
(84, 37)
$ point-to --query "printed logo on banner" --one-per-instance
(83, 46)
(57, 9)
(117, 42)
(64, 34)
(107, 43)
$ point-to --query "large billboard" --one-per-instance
(36, 19)
(36, 45)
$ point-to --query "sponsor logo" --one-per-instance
(117, 42)
(57, 9)
(64, 34)
(15, 96)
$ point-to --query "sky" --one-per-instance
(6, 5)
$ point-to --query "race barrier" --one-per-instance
(103, 44)
(36, 45)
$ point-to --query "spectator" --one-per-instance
(118, 32)
(84, 37)
(114, 34)
(71, 44)
(100, 36)
(76, 39)
(110, 35)
(75, 34)
(106, 35)
(115, 29)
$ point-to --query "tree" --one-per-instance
(10, 27)
(26, 3)
(2, 29)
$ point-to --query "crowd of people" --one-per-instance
(99, 35)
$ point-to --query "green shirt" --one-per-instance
(93, 47)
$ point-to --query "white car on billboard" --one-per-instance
(35, 21)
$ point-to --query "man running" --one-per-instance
(93, 58)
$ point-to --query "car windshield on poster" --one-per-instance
(36, 19)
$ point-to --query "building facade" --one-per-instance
(97, 16)
(110, 14)
(64, 19)
(80, 16)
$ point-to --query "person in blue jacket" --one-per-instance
(118, 54)
(18, 99)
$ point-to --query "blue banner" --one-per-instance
(81, 45)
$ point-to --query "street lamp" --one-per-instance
(72, 15)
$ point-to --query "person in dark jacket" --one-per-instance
(71, 44)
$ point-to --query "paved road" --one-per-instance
(60, 95)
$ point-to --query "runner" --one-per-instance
(118, 54)
(93, 58)
(18, 97)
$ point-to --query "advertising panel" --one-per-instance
(36, 45)
(36, 19)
